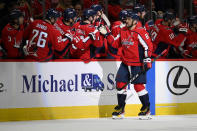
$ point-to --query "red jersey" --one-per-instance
(103, 50)
(149, 25)
(136, 45)
(63, 29)
(115, 30)
(163, 36)
(81, 50)
(11, 40)
(43, 40)
(191, 43)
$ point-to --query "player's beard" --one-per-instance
(124, 21)
(71, 22)
(53, 20)
(194, 29)
(132, 24)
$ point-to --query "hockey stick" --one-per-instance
(140, 73)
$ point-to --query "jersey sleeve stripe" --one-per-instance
(144, 45)
(118, 36)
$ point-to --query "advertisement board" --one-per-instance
(67, 86)
(176, 87)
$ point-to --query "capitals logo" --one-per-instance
(91, 82)
(128, 42)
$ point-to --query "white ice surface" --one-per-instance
(158, 123)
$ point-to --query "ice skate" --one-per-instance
(118, 113)
(145, 113)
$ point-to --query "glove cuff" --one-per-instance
(147, 60)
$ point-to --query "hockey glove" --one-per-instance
(183, 30)
(103, 30)
(147, 63)
(25, 50)
(92, 36)
(186, 53)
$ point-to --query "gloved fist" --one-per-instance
(147, 64)
(69, 36)
(103, 30)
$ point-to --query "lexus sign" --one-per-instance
(173, 79)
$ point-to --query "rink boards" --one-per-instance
(73, 89)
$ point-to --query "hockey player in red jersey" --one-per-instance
(136, 52)
(141, 12)
(101, 17)
(12, 35)
(191, 41)
(64, 25)
(101, 20)
(117, 26)
(88, 36)
(162, 35)
(43, 39)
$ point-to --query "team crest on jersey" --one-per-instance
(128, 41)
(80, 31)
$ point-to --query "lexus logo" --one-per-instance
(2, 87)
(174, 87)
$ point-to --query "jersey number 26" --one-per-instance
(41, 38)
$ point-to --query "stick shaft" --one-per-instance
(142, 72)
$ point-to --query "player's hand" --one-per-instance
(147, 63)
(186, 54)
(92, 36)
(183, 30)
(25, 50)
(69, 36)
(103, 30)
